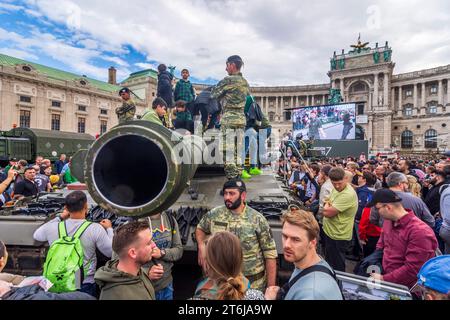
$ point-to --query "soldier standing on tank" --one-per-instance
(232, 92)
(250, 226)
(128, 109)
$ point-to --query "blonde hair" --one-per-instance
(348, 175)
(224, 259)
(413, 186)
(302, 219)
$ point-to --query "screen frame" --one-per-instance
(316, 107)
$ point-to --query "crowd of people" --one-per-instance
(392, 213)
(19, 179)
(348, 209)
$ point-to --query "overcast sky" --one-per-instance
(282, 42)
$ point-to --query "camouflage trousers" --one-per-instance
(232, 146)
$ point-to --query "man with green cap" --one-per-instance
(250, 226)
(232, 92)
(128, 109)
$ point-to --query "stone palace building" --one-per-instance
(401, 112)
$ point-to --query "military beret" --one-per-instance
(235, 184)
(234, 58)
(124, 90)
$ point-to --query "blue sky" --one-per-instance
(282, 42)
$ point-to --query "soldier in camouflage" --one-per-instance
(250, 227)
(128, 109)
(231, 93)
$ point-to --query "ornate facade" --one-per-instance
(402, 112)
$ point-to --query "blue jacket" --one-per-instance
(364, 194)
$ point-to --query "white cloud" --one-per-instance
(10, 7)
(24, 55)
(282, 42)
(78, 59)
(146, 66)
(116, 60)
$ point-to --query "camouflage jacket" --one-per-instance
(232, 92)
(126, 111)
(251, 228)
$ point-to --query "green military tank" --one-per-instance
(27, 143)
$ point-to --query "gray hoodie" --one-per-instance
(166, 237)
(118, 285)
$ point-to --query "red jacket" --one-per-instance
(367, 229)
(407, 244)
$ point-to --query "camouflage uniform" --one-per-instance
(126, 111)
(256, 239)
(232, 92)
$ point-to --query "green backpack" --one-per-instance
(64, 263)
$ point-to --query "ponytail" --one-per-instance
(231, 288)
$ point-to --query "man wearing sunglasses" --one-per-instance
(398, 183)
(128, 109)
(406, 241)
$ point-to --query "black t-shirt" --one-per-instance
(26, 188)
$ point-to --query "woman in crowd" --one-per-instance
(223, 267)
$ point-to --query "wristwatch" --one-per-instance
(163, 253)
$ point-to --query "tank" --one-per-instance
(134, 170)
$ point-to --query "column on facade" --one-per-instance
(292, 102)
(266, 105)
(400, 98)
(393, 99)
(448, 91)
(296, 101)
(415, 97)
(424, 96)
(370, 130)
(313, 100)
(375, 90)
(323, 99)
(277, 106)
(387, 134)
(342, 88)
(440, 93)
(386, 89)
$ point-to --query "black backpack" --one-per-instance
(316, 268)
(254, 112)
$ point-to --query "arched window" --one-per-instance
(431, 139)
(359, 87)
(407, 139)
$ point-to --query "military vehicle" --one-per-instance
(27, 143)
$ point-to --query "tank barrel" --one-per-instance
(136, 168)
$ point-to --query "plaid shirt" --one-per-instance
(184, 91)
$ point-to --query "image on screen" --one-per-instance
(333, 122)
